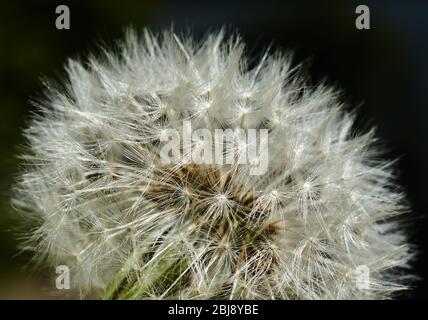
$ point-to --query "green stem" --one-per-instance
(152, 274)
(162, 268)
(121, 275)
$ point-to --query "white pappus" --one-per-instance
(99, 200)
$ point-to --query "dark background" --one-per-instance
(384, 70)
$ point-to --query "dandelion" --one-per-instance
(99, 199)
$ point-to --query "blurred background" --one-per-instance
(383, 71)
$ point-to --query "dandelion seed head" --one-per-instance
(99, 199)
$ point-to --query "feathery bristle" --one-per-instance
(101, 201)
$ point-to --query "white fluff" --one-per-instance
(100, 201)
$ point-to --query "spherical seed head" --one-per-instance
(101, 200)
